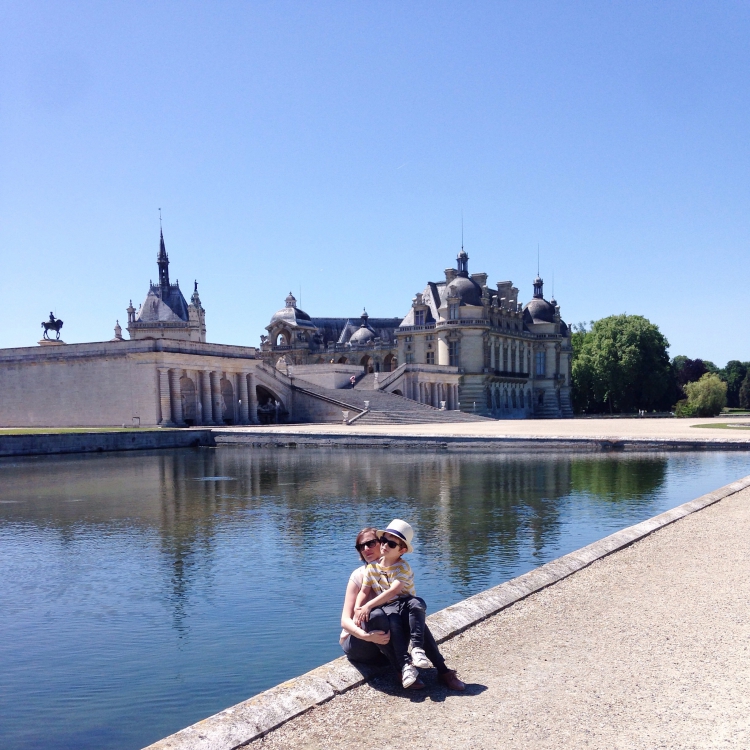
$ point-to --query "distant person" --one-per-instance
(369, 642)
(352, 380)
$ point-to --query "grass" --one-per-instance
(61, 430)
(725, 426)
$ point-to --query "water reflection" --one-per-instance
(157, 588)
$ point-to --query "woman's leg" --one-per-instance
(362, 651)
(417, 610)
(432, 652)
(366, 651)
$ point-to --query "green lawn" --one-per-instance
(725, 426)
(59, 430)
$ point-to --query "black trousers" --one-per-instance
(400, 630)
(367, 652)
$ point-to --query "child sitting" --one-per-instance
(391, 583)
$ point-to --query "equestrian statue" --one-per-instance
(53, 324)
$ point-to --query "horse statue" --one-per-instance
(53, 324)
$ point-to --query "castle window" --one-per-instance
(453, 311)
(541, 362)
(430, 358)
(407, 338)
(419, 317)
(409, 358)
(429, 337)
(453, 353)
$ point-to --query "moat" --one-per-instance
(144, 591)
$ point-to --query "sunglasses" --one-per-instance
(367, 545)
(389, 542)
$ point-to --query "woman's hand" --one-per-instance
(380, 637)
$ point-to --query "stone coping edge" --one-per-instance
(241, 724)
(505, 444)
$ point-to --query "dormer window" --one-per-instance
(453, 311)
(419, 317)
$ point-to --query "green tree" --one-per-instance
(744, 394)
(734, 373)
(708, 396)
(622, 365)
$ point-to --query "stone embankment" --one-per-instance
(576, 435)
(49, 443)
(643, 648)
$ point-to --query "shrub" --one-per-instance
(707, 396)
(683, 409)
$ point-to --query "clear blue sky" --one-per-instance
(333, 147)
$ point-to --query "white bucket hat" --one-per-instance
(401, 530)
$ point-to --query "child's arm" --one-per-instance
(386, 596)
(362, 597)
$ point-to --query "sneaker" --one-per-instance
(409, 675)
(451, 681)
(419, 658)
(418, 685)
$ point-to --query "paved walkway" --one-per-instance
(615, 429)
(648, 648)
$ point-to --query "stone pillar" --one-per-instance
(216, 397)
(244, 406)
(435, 396)
(176, 394)
(252, 402)
(206, 397)
(456, 404)
(165, 405)
(443, 357)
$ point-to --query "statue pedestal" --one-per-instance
(50, 342)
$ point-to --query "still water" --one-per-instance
(141, 592)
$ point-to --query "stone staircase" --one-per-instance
(385, 408)
(366, 382)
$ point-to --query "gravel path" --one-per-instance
(648, 648)
(610, 429)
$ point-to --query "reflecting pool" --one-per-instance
(141, 592)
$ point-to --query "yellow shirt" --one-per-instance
(380, 578)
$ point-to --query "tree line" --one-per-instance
(620, 365)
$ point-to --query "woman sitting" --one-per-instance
(371, 644)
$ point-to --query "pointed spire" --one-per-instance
(162, 260)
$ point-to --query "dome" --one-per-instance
(467, 289)
(291, 314)
(362, 335)
(538, 311)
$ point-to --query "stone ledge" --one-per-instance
(240, 724)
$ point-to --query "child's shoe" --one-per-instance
(409, 675)
(419, 658)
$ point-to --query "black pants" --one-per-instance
(367, 652)
(406, 619)
(400, 630)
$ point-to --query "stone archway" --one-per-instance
(342, 360)
(189, 401)
(283, 338)
(271, 409)
(366, 362)
(227, 401)
(389, 363)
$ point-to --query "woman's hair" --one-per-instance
(363, 533)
